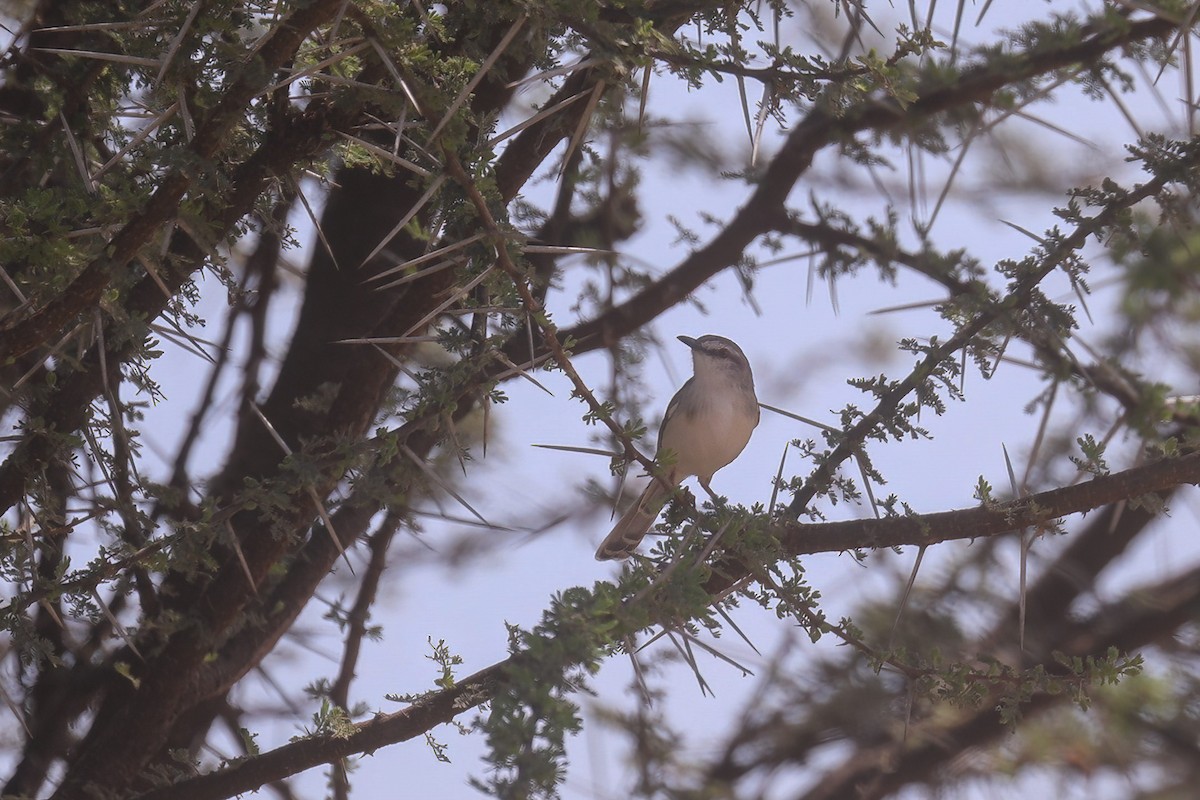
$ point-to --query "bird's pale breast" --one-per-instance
(713, 436)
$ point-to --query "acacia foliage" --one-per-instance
(148, 145)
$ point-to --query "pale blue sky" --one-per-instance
(802, 354)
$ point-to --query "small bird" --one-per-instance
(707, 425)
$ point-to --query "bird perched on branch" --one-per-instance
(707, 425)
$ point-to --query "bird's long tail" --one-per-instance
(632, 527)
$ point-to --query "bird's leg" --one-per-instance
(717, 500)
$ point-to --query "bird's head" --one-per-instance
(712, 354)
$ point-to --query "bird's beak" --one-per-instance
(689, 341)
